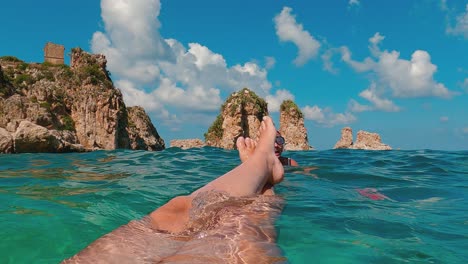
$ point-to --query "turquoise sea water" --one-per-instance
(53, 205)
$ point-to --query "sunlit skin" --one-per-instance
(260, 169)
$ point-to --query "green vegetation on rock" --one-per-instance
(68, 123)
(10, 59)
(23, 80)
(237, 101)
(216, 129)
(287, 105)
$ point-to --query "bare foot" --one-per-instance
(246, 147)
(266, 145)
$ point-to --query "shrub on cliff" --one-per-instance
(287, 105)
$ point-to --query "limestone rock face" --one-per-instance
(97, 108)
(240, 115)
(292, 127)
(6, 141)
(346, 140)
(365, 140)
(187, 143)
(77, 105)
(30, 137)
(141, 132)
(369, 141)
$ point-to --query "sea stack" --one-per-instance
(365, 140)
(240, 115)
(292, 127)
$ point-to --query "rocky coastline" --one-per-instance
(59, 108)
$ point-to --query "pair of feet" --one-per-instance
(247, 146)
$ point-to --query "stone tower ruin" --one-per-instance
(54, 53)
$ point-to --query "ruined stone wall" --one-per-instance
(54, 53)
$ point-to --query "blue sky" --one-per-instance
(398, 68)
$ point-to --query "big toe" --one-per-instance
(240, 143)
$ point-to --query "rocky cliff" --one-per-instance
(365, 140)
(292, 127)
(240, 115)
(56, 108)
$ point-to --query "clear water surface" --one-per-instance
(341, 206)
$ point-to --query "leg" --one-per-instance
(260, 169)
(246, 148)
(127, 243)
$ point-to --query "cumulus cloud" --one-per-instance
(464, 85)
(274, 101)
(392, 76)
(327, 117)
(461, 25)
(353, 3)
(444, 119)
(287, 29)
(163, 75)
(373, 96)
(269, 62)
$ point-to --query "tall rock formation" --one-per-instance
(78, 106)
(240, 115)
(141, 132)
(346, 140)
(97, 110)
(292, 127)
(365, 140)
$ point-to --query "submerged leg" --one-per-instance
(249, 178)
(260, 169)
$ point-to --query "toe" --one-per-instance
(240, 143)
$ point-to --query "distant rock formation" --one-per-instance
(346, 140)
(240, 115)
(292, 127)
(187, 143)
(365, 140)
(141, 132)
(56, 108)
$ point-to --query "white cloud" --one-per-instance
(461, 24)
(367, 65)
(274, 101)
(356, 107)
(269, 62)
(444, 119)
(353, 3)
(397, 77)
(162, 75)
(443, 5)
(327, 61)
(465, 85)
(372, 95)
(288, 29)
(465, 130)
(139, 97)
(327, 117)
